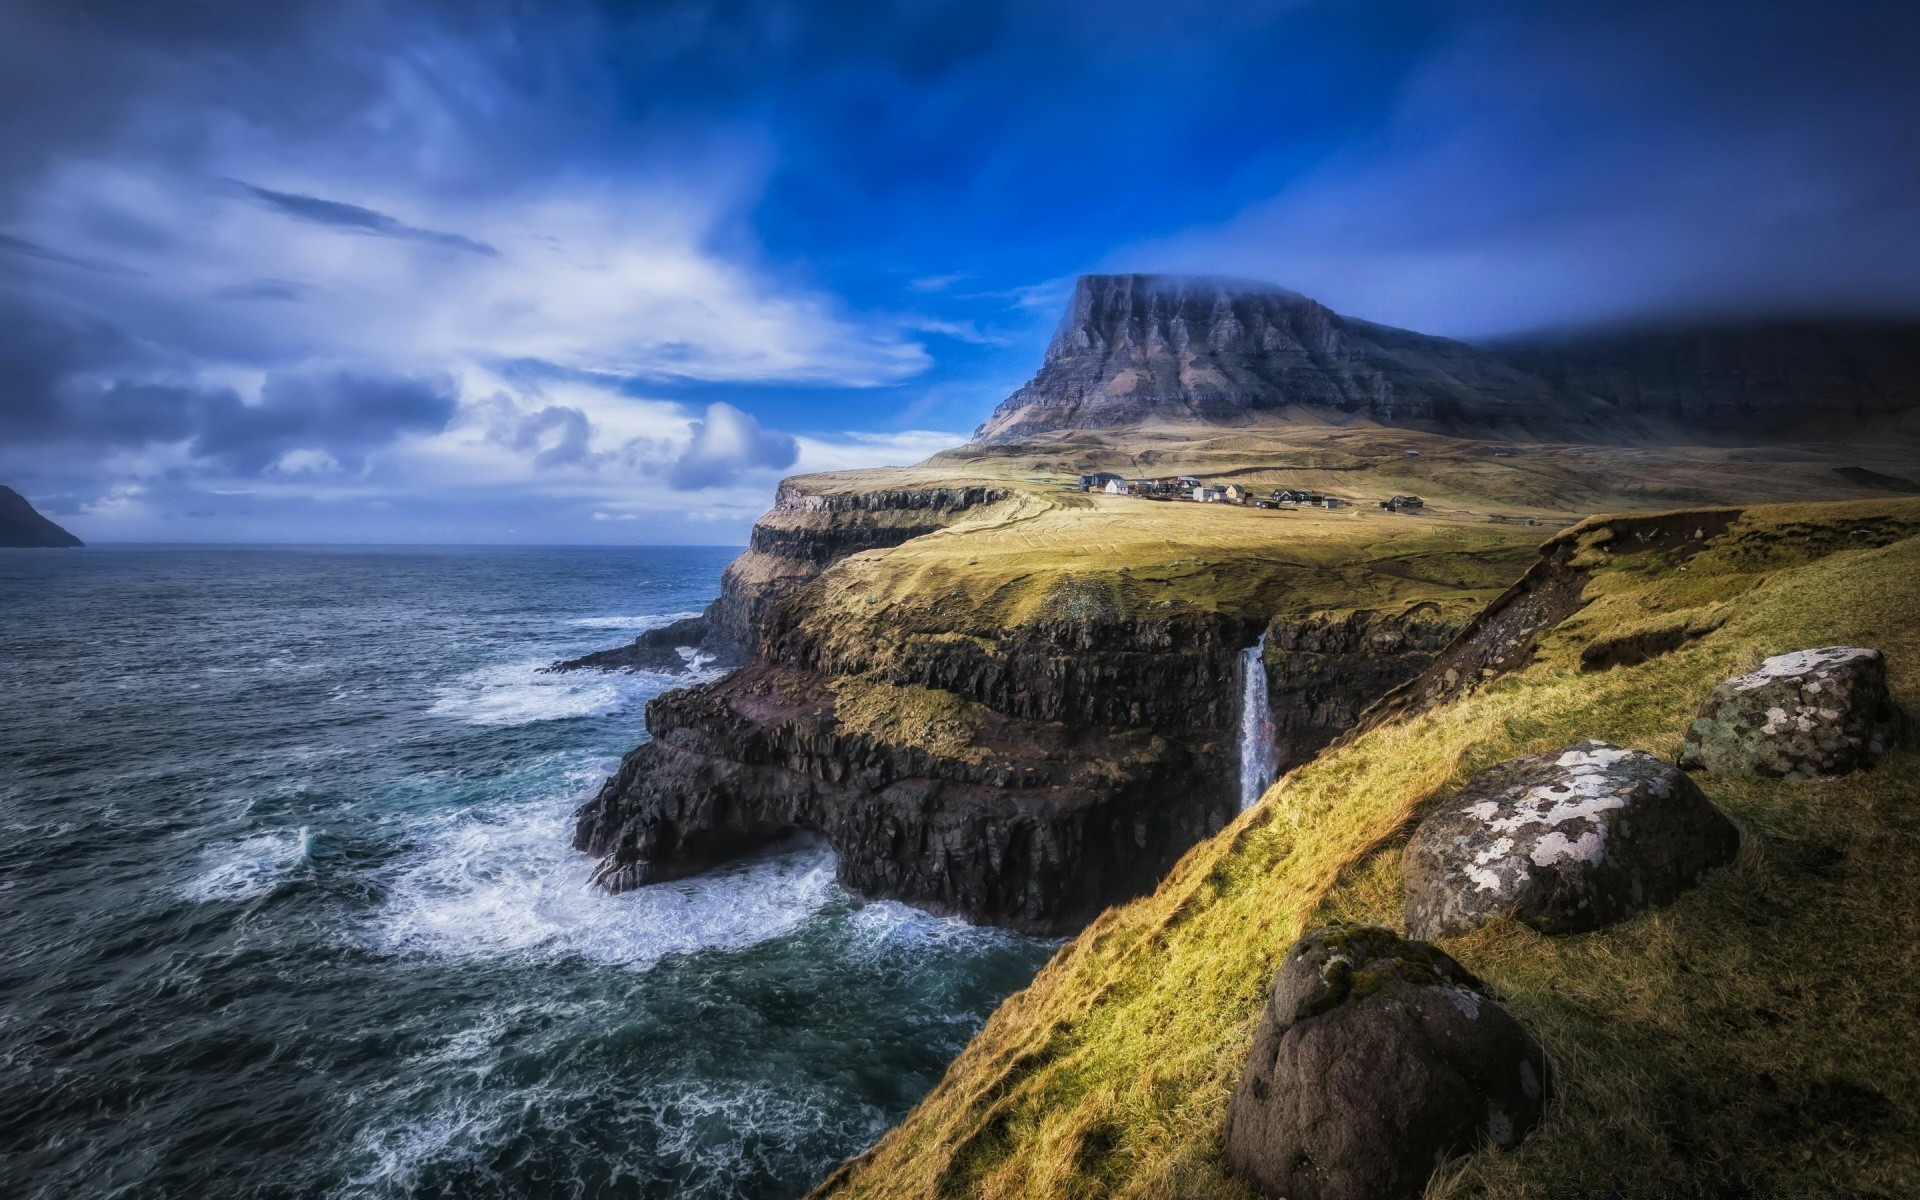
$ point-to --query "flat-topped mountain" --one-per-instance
(21, 525)
(1143, 349)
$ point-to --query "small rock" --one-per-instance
(1800, 715)
(1566, 842)
(1377, 1059)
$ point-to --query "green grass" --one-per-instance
(1757, 1034)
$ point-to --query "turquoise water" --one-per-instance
(288, 909)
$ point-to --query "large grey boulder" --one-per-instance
(1800, 715)
(1567, 841)
(1376, 1060)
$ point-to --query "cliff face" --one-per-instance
(1323, 671)
(1140, 348)
(22, 526)
(807, 531)
(1025, 747)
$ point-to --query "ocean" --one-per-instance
(288, 906)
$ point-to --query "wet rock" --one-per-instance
(1376, 1060)
(1799, 715)
(655, 650)
(1566, 842)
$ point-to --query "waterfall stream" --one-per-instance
(1258, 757)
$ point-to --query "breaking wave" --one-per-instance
(249, 869)
(520, 693)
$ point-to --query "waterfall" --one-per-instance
(1257, 755)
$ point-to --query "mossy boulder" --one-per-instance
(1566, 842)
(1802, 715)
(1376, 1060)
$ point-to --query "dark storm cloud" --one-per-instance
(80, 387)
(342, 414)
(355, 219)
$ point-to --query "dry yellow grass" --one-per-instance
(1753, 1038)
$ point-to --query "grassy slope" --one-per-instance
(1051, 556)
(1759, 1030)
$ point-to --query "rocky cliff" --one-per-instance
(1133, 349)
(21, 525)
(980, 725)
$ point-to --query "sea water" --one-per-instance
(288, 907)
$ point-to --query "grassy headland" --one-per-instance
(1753, 1038)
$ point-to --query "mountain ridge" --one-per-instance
(1138, 349)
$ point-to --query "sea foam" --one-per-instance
(251, 868)
(505, 881)
(639, 623)
(520, 693)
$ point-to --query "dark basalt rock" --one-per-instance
(1376, 1060)
(1565, 842)
(1323, 671)
(655, 650)
(1800, 715)
(1043, 829)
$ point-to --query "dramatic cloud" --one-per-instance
(1588, 163)
(725, 443)
(418, 270)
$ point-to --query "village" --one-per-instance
(1189, 488)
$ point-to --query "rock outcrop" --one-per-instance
(1376, 1060)
(672, 649)
(1565, 842)
(22, 526)
(1810, 713)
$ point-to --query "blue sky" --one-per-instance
(560, 272)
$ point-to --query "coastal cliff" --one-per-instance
(1719, 1046)
(987, 715)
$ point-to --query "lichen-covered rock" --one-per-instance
(1799, 715)
(1376, 1060)
(1566, 842)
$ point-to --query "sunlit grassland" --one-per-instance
(1758, 1032)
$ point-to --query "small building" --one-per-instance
(1206, 495)
(1115, 487)
(1403, 503)
(1413, 454)
(1233, 493)
(1298, 496)
(1097, 482)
